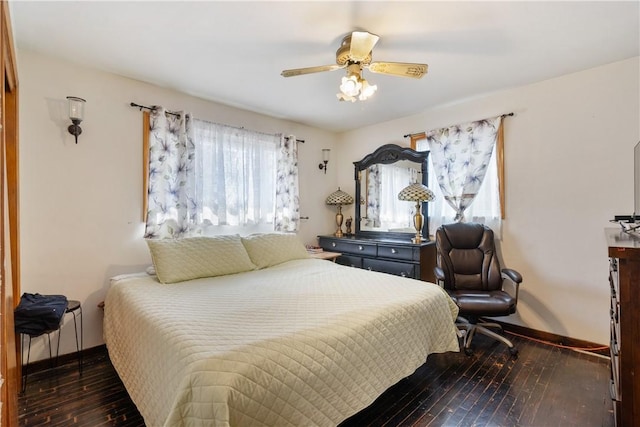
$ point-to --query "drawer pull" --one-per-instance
(394, 251)
(360, 248)
(369, 268)
(403, 274)
(333, 244)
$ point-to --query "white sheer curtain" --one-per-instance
(235, 175)
(464, 174)
(383, 207)
(395, 214)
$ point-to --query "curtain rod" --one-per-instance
(417, 133)
(133, 104)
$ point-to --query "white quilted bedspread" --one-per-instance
(304, 343)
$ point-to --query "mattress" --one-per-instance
(307, 342)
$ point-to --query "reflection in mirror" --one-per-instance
(381, 184)
(380, 176)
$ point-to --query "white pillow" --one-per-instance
(177, 260)
(270, 249)
(151, 270)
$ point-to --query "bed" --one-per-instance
(291, 341)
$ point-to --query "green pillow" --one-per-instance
(270, 249)
(177, 260)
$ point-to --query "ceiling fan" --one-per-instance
(354, 54)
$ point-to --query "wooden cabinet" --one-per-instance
(624, 281)
(401, 258)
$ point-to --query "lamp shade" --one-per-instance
(416, 193)
(76, 108)
(339, 197)
(325, 154)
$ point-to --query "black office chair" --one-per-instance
(469, 270)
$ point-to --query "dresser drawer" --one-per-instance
(615, 375)
(614, 284)
(388, 256)
(348, 247)
(614, 278)
(350, 261)
(616, 411)
(398, 268)
(614, 311)
(398, 252)
(614, 345)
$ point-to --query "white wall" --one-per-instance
(569, 169)
(80, 205)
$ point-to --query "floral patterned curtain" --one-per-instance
(460, 156)
(287, 215)
(170, 206)
(373, 196)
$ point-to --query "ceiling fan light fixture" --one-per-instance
(350, 85)
(354, 87)
(355, 54)
(367, 90)
(342, 97)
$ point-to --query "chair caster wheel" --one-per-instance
(514, 352)
(468, 351)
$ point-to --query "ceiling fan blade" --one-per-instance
(402, 69)
(362, 44)
(309, 70)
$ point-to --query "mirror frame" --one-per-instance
(388, 154)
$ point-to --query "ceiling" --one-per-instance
(233, 52)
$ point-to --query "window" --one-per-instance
(235, 172)
(485, 208)
(205, 178)
(464, 152)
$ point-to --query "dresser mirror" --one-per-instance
(379, 177)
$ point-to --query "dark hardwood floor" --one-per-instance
(545, 386)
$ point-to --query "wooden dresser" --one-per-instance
(624, 279)
(402, 258)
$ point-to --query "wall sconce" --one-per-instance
(325, 160)
(76, 115)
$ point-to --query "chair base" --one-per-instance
(469, 329)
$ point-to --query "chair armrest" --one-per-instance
(439, 273)
(512, 275)
(515, 277)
